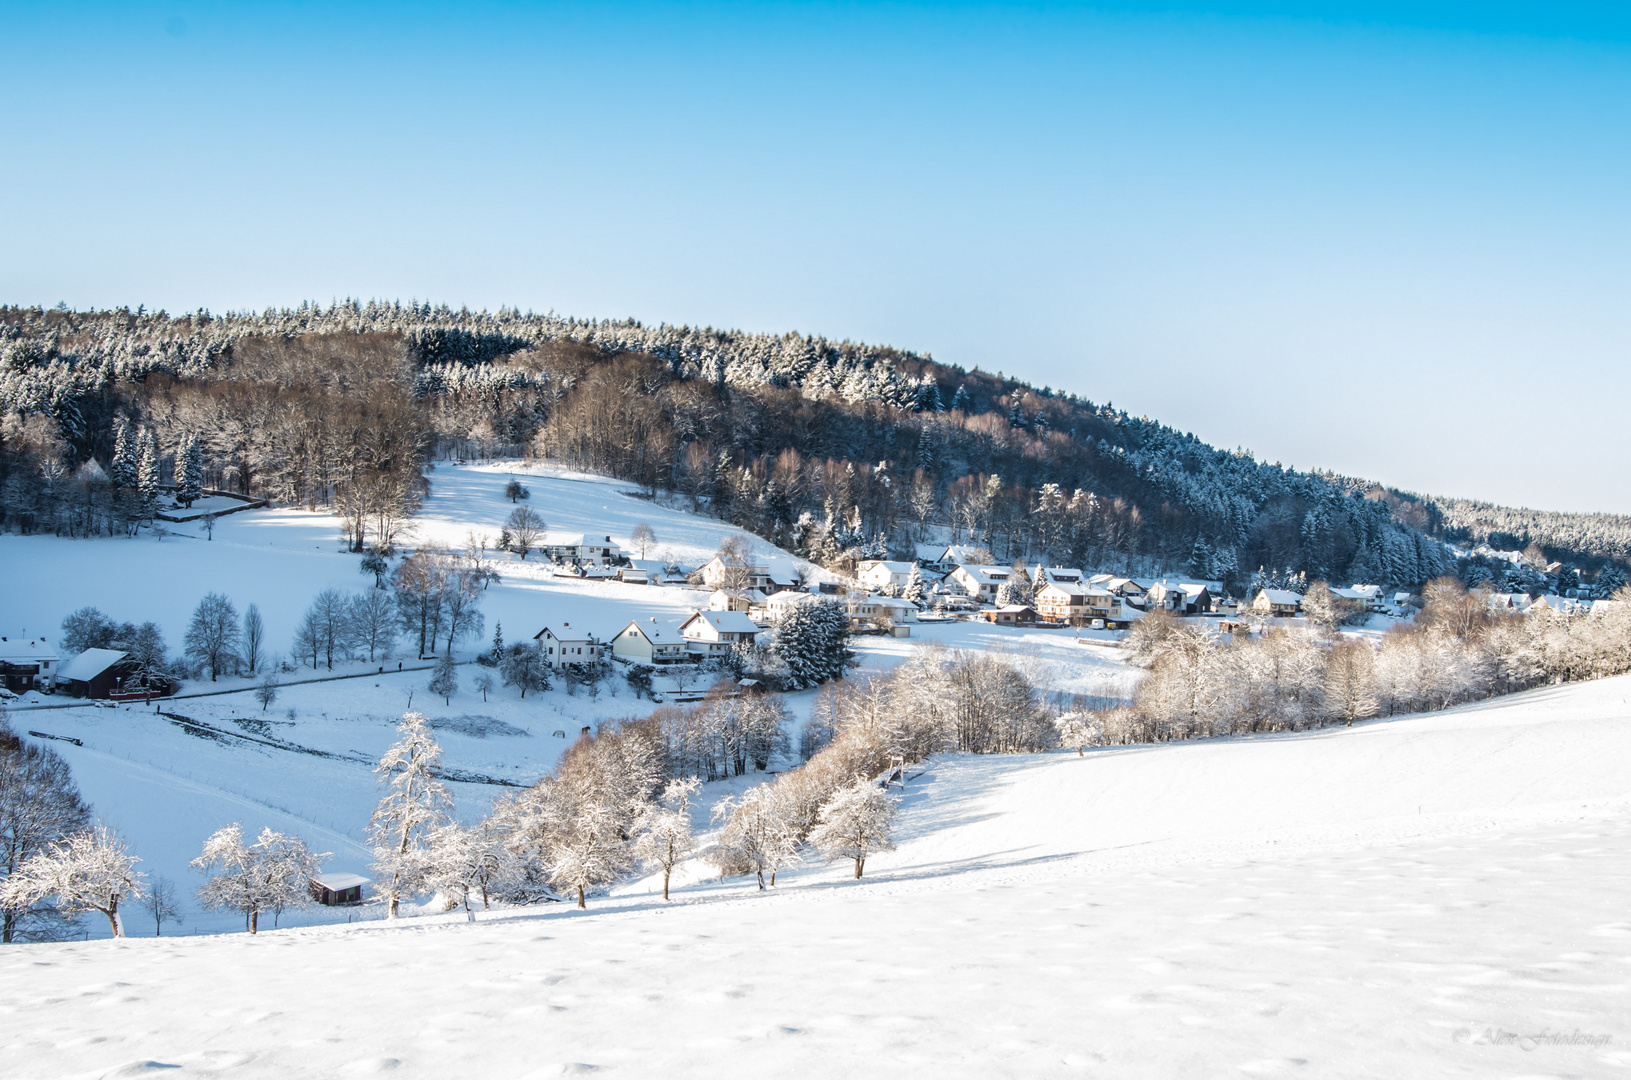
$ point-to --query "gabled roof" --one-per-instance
(563, 632)
(1349, 594)
(564, 539)
(89, 664)
(1369, 592)
(1282, 596)
(726, 622)
(890, 565)
(957, 553)
(1062, 573)
(666, 632)
(1070, 589)
(336, 882)
(18, 650)
(987, 575)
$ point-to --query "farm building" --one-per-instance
(94, 673)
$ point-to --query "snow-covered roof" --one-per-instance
(16, 650)
(1282, 596)
(1071, 589)
(563, 632)
(1607, 607)
(752, 596)
(89, 664)
(1058, 574)
(1369, 592)
(1193, 589)
(658, 632)
(1349, 594)
(1013, 609)
(957, 553)
(726, 622)
(336, 882)
(889, 565)
(1401, 598)
(987, 575)
(565, 539)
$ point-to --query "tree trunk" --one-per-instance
(394, 902)
(761, 881)
(254, 922)
(859, 863)
(581, 904)
(665, 888)
(113, 919)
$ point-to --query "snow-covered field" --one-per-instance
(1428, 896)
(165, 787)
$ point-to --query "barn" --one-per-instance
(332, 890)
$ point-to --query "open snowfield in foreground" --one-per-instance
(1434, 896)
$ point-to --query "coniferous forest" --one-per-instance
(836, 449)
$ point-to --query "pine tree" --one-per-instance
(147, 477)
(960, 401)
(914, 586)
(444, 683)
(190, 475)
(122, 470)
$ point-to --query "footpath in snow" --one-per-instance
(1437, 896)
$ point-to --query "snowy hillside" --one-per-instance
(305, 765)
(1427, 896)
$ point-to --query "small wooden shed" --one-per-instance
(332, 890)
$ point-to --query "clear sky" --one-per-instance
(1391, 239)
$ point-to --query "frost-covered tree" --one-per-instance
(1350, 681)
(1075, 729)
(759, 834)
(663, 838)
(461, 860)
(484, 683)
(854, 823)
(914, 586)
(90, 870)
(147, 476)
(190, 470)
(126, 453)
(523, 667)
(213, 636)
(416, 805)
(271, 874)
(39, 806)
(444, 681)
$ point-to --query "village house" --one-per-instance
(778, 603)
(767, 573)
(1124, 587)
(1070, 604)
(650, 642)
(714, 633)
(981, 582)
(579, 548)
(27, 664)
(562, 646)
(1279, 603)
(879, 574)
(949, 558)
(880, 609)
(1062, 575)
(1372, 595)
(720, 600)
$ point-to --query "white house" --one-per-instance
(561, 645)
(1279, 602)
(650, 642)
(713, 633)
(27, 663)
(579, 547)
(878, 608)
(1072, 604)
(779, 602)
(720, 600)
(1372, 595)
(981, 582)
(1062, 575)
(880, 574)
(766, 573)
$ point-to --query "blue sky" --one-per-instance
(1389, 239)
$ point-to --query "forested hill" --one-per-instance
(835, 448)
